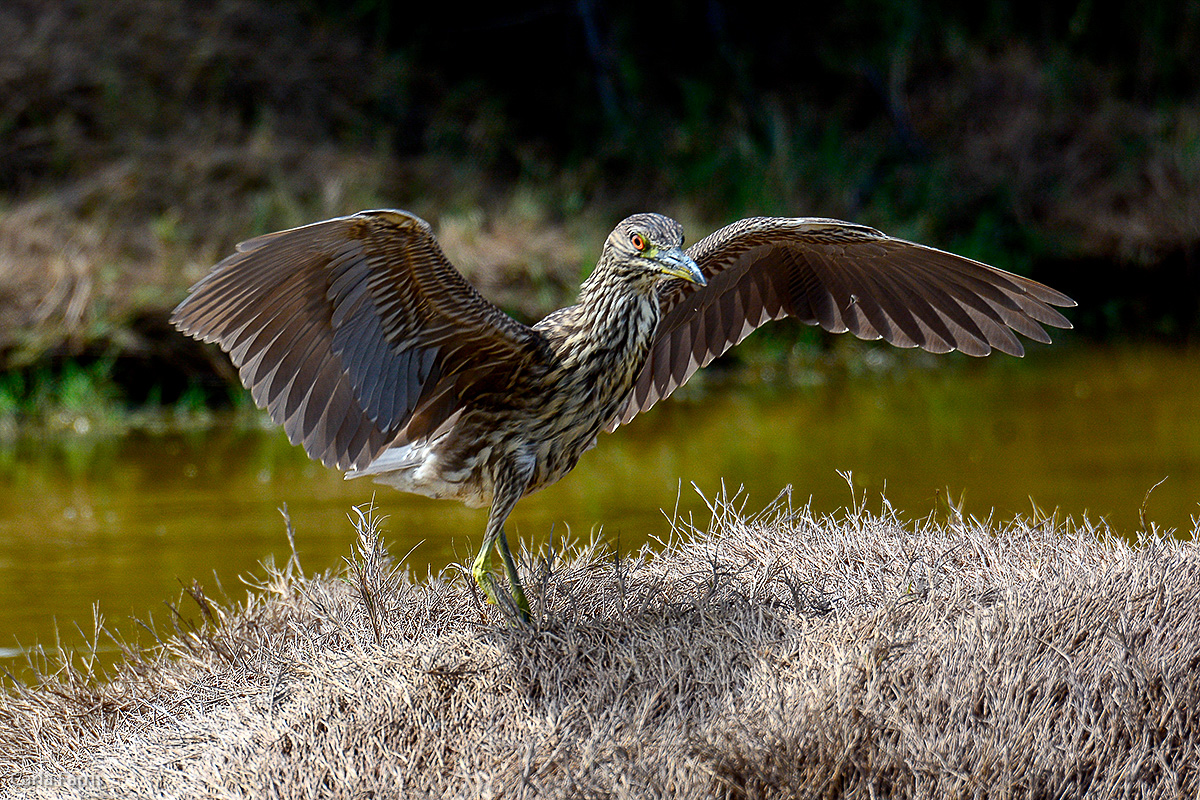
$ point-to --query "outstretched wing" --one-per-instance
(843, 277)
(354, 333)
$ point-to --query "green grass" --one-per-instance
(61, 395)
(86, 397)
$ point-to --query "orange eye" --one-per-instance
(638, 241)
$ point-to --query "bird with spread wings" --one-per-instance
(374, 353)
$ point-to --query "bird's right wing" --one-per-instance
(843, 277)
(355, 333)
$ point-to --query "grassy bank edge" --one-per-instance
(760, 656)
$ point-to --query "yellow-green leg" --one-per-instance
(514, 580)
(504, 497)
(482, 570)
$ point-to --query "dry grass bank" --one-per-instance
(772, 656)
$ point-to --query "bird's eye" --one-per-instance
(638, 241)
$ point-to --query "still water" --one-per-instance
(123, 522)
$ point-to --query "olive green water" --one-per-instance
(123, 522)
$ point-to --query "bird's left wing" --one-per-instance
(843, 277)
(354, 333)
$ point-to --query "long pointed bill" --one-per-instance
(679, 264)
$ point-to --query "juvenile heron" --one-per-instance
(364, 342)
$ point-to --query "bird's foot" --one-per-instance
(486, 581)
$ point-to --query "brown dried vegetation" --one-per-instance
(145, 138)
(772, 656)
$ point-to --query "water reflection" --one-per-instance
(124, 521)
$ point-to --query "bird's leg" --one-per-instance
(509, 486)
(514, 580)
(482, 568)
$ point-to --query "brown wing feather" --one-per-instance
(843, 277)
(354, 333)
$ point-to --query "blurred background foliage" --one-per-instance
(141, 139)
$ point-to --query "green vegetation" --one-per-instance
(95, 396)
(73, 397)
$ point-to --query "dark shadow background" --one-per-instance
(140, 139)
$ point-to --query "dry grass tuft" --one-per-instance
(777, 655)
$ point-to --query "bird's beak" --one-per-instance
(679, 264)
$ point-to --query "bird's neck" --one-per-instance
(613, 327)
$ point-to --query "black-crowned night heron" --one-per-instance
(365, 343)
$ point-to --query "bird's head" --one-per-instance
(646, 249)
